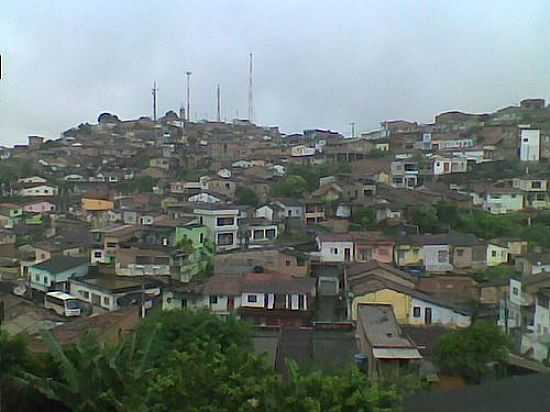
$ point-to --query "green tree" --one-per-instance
(426, 219)
(246, 196)
(468, 352)
(291, 186)
(365, 217)
(94, 377)
(14, 356)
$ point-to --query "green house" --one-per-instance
(198, 234)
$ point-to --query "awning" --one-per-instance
(396, 353)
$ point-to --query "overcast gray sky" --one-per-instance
(318, 63)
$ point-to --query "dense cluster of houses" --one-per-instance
(151, 215)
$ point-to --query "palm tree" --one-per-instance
(95, 377)
(13, 357)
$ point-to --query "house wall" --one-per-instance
(408, 255)
(265, 212)
(79, 290)
(39, 207)
(42, 280)
(269, 259)
(503, 203)
(401, 303)
(210, 221)
(437, 258)
(96, 204)
(39, 191)
(440, 315)
(542, 319)
(133, 269)
(529, 149)
(464, 261)
(335, 251)
(194, 234)
(496, 255)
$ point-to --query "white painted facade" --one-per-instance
(42, 190)
(439, 315)
(32, 180)
(204, 198)
(265, 212)
(437, 258)
(529, 149)
(336, 251)
(222, 225)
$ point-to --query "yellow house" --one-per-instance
(497, 253)
(401, 303)
(409, 255)
(96, 205)
(412, 307)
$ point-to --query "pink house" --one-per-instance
(373, 246)
(42, 206)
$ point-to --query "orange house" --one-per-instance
(96, 205)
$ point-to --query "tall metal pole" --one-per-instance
(219, 104)
(352, 129)
(188, 74)
(155, 101)
(250, 92)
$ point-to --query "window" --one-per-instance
(416, 311)
(252, 299)
(287, 262)
(442, 256)
(201, 220)
(225, 221)
(37, 278)
(400, 255)
(536, 185)
(106, 301)
(46, 280)
(513, 196)
(515, 291)
(543, 301)
(161, 260)
(112, 244)
(270, 233)
(460, 252)
(225, 239)
(201, 238)
(494, 253)
(301, 302)
(98, 254)
(84, 293)
(289, 212)
(213, 300)
(334, 251)
(259, 234)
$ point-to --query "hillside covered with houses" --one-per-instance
(338, 250)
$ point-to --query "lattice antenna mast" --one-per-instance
(250, 92)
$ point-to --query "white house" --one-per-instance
(32, 180)
(336, 247)
(205, 197)
(425, 312)
(301, 150)
(222, 224)
(39, 190)
(529, 149)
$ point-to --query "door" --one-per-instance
(428, 316)
(230, 303)
(347, 254)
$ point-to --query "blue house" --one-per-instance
(54, 274)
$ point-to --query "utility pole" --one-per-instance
(155, 101)
(352, 129)
(250, 92)
(219, 117)
(188, 74)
